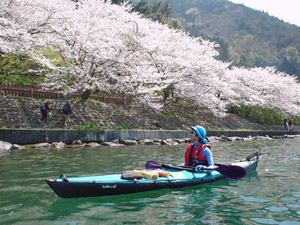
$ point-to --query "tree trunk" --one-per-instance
(86, 94)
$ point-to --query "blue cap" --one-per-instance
(201, 133)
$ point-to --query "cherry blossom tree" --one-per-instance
(264, 87)
(13, 32)
(106, 47)
(103, 46)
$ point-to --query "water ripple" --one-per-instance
(269, 196)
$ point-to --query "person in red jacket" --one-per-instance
(198, 154)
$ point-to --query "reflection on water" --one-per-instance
(271, 195)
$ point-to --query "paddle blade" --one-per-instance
(231, 171)
(151, 165)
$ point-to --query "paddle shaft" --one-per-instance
(229, 171)
(190, 168)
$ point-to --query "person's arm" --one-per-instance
(208, 155)
(70, 109)
(48, 108)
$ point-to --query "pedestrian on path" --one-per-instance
(291, 124)
(67, 111)
(45, 110)
(286, 125)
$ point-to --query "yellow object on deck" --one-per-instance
(139, 171)
(153, 174)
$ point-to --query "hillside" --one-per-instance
(246, 36)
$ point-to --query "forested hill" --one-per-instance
(247, 37)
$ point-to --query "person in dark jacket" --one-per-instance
(45, 110)
(67, 111)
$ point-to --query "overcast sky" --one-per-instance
(286, 10)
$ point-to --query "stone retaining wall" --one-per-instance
(18, 112)
(23, 137)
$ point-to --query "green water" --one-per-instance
(269, 196)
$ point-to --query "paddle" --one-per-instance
(229, 171)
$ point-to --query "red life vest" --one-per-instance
(197, 155)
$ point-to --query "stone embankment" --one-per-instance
(17, 112)
(5, 146)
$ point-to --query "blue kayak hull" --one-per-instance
(114, 185)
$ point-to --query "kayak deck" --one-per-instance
(116, 178)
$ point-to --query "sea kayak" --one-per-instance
(145, 180)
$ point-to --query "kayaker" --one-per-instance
(199, 153)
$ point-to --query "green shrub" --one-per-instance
(77, 99)
(85, 127)
(123, 127)
(261, 115)
(14, 69)
(257, 114)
